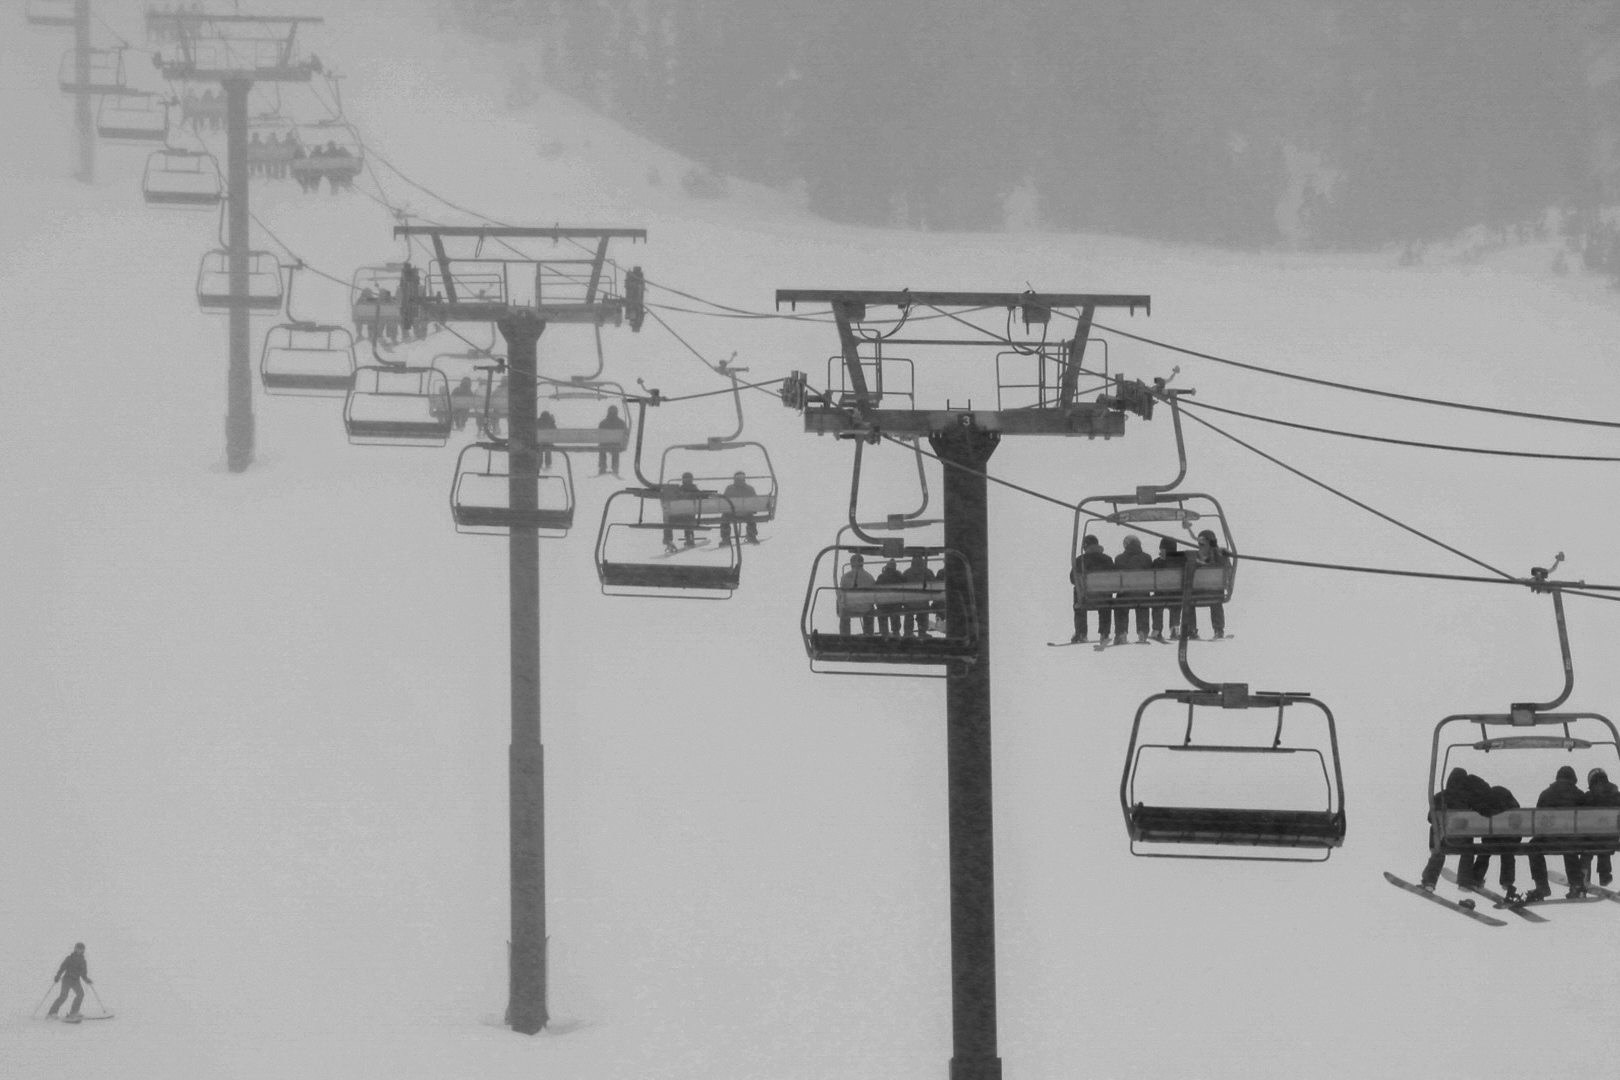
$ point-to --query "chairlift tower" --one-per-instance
(521, 295)
(964, 439)
(234, 51)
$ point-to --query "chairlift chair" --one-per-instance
(49, 12)
(374, 300)
(265, 289)
(718, 462)
(308, 359)
(398, 405)
(849, 625)
(332, 151)
(631, 549)
(134, 118)
(1223, 792)
(480, 495)
(176, 177)
(1525, 754)
(198, 110)
(106, 74)
(574, 407)
(1249, 789)
(1155, 511)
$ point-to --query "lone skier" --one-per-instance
(69, 974)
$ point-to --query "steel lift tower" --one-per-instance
(521, 295)
(963, 439)
(234, 51)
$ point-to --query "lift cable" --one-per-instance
(1351, 499)
(1442, 402)
(1187, 402)
(1602, 592)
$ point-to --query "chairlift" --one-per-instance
(398, 405)
(1236, 784)
(480, 495)
(1528, 754)
(329, 150)
(1156, 511)
(271, 145)
(135, 118)
(926, 615)
(264, 288)
(579, 409)
(637, 553)
(202, 110)
(308, 359)
(633, 556)
(182, 178)
(740, 469)
(104, 76)
(49, 12)
(374, 301)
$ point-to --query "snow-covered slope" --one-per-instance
(255, 742)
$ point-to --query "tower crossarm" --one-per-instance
(482, 273)
(858, 407)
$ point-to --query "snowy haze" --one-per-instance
(256, 729)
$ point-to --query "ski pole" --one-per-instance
(48, 990)
(96, 992)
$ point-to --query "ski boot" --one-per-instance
(1513, 896)
(1540, 892)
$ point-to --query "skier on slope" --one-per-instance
(69, 973)
(1599, 792)
(1563, 791)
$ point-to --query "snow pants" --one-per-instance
(70, 985)
(1573, 870)
(1102, 621)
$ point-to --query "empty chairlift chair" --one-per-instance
(49, 12)
(1250, 777)
(397, 405)
(187, 179)
(264, 289)
(480, 496)
(105, 74)
(309, 359)
(133, 118)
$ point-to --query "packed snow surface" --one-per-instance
(255, 742)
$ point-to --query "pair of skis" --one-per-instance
(1111, 643)
(1501, 902)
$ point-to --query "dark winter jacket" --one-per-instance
(1091, 558)
(73, 967)
(1562, 793)
(1133, 559)
(917, 572)
(1603, 793)
(1459, 793)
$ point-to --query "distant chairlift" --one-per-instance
(135, 118)
(106, 74)
(374, 301)
(188, 179)
(852, 624)
(1250, 776)
(398, 405)
(330, 150)
(307, 359)
(480, 499)
(49, 12)
(677, 553)
(1154, 512)
(265, 290)
(740, 469)
(1528, 754)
